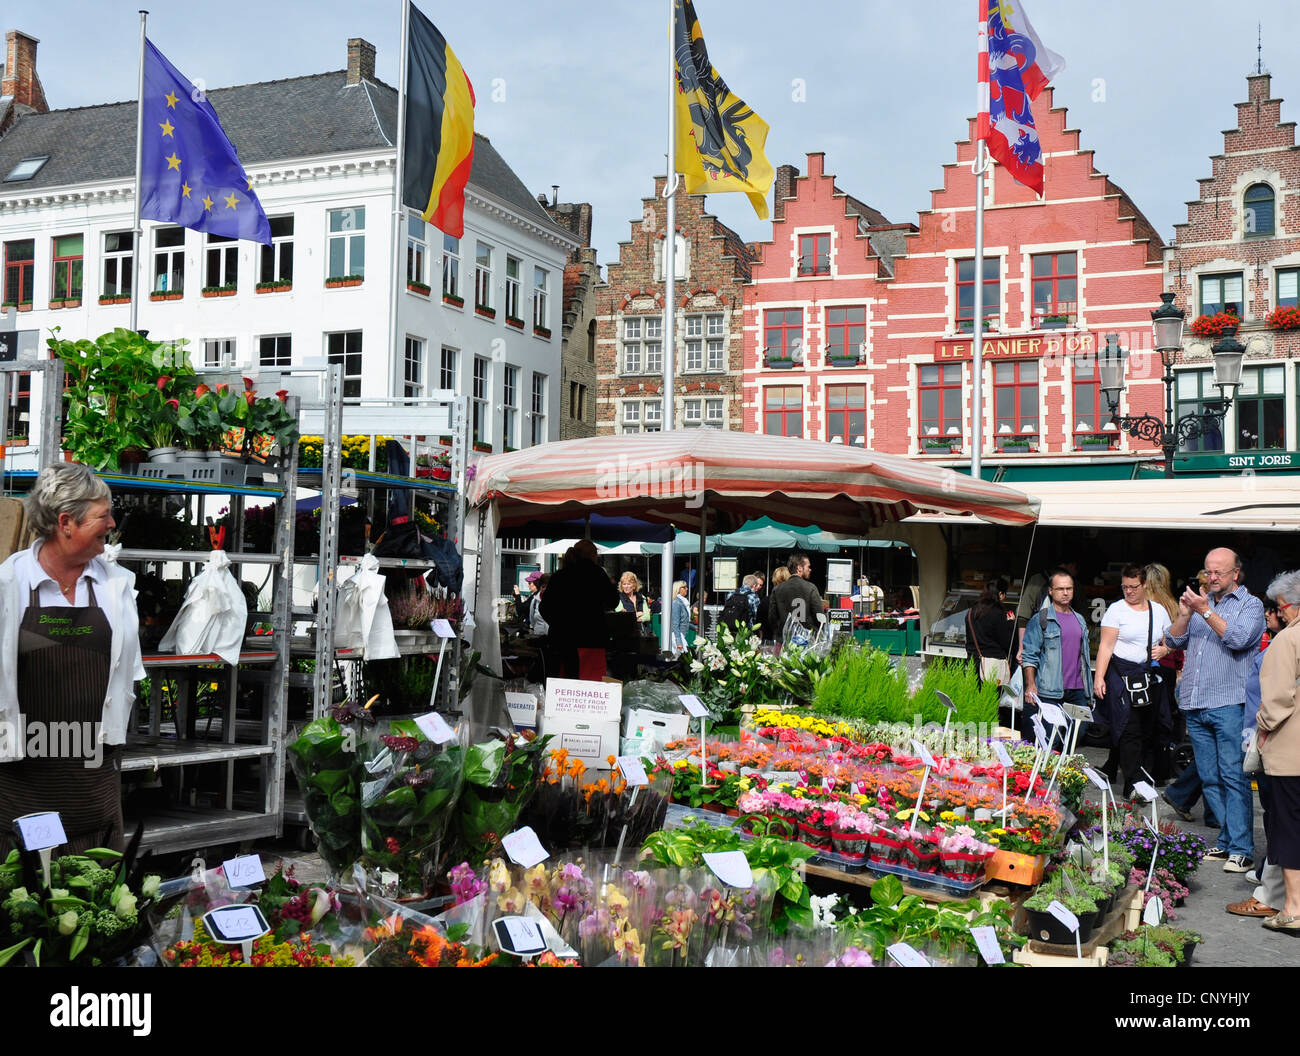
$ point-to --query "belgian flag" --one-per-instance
(439, 144)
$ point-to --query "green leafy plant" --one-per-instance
(864, 683)
(975, 703)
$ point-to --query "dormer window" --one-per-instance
(26, 169)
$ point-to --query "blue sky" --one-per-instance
(575, 94)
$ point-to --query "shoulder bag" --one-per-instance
(1138, 687)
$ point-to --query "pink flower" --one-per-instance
(175, 405)
(201, 390)
(164, 381)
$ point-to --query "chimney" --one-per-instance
(20, 80)
(361, 61)
(783, 188)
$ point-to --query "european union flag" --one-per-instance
(189, 173)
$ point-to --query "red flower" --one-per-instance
(222, 389)
(248, 384)
(201, 390)
(281, 394)
(392, 845)
(175, 405)
(250, 397)
(164, 381)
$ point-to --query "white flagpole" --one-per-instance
(977, 341)
(137, 233)
(399, 212)
(666, 600)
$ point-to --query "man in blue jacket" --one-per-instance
(1056, 665)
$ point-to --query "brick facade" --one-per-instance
(578, 328)
(1227, 239)
(709, 296)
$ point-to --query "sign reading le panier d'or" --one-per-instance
(1024, 346)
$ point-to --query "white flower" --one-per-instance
(696, 667)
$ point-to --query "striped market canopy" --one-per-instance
(669, 477)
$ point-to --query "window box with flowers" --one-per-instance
(455, 300)
(337, 281)
(1018, 444)
(933, 445)
(1053, 322)
(1287, 318)
(115, 298)
(22, 306)
(1095, 441)
(778, 361)
(843, 361)
(517, 323)
(274, 286)
(485, 311)
(542, 332)
(219, 291)
(482, 447)
(66, 302)
(422, 288)
(1220, 324)
(166, 295)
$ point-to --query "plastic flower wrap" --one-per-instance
(501, 776)
(574, 809)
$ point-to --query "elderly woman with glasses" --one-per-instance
(1124, 683)
(69, 658)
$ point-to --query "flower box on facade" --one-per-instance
(518, 324)
(342, 280)
(483, 448)
(1053, 322)
(1018, 445)
(485, 311)
(1219, 324)
(452, 299)
(22, 306)
(167, 295)
(115, 298)
(780, 362)
(417, 287)
(941, 447)
(1286, 318)
(542, 331)
(218, 291)
(1095, 443)
(843, 361)
(278, 286)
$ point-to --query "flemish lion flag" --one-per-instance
(720, 140)
(439, 145)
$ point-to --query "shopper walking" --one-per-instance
(681, 616)
(772, 630)
(1219, 627)
(630, 599)
(990, 628)
(574, 606)
(1055, 663)
(69, 654)
(1131, 640)
(797, 596)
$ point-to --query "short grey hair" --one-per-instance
(65, 487)
(1285, 587)
(751, 581)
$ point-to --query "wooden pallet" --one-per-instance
(1127, 911)
(987, 894)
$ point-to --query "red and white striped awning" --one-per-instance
(668, 476)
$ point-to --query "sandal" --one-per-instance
(1283, 923)
(1252, 907)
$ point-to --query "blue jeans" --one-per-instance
(1216, 740)
(1186, 790)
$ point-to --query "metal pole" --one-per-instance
(704, 542)
(977, 352)
(670, 342)
(396, 355)
(1169, 441)
(136, 230)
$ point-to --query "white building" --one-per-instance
(321, 153)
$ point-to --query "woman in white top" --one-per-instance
(1131, 633)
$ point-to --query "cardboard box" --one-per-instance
(591, 740)
(590, 701)
(653, 728)
(523, 710)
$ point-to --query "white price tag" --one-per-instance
(828, 784)
(1096, 778)
(983, 814)
(443, 629)
(519, 935)
(946, 701)
(731, 867)
(923, 752)
(1064, 915)
(693, 706)
(232, 924)
(1144, 790)
(1004, 757)
(435, 727)
(632, 770)
(1051, 713)
(1154, 911)
(904, 955)
(1078, 712)
(38, 832)
(781, 777)
(524, 848)
(987, 941)
(244, 871)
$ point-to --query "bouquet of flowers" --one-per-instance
(501, 776)
(565, 813)
(1179, 851)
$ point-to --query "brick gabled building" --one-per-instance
(712, 266)
(1240, 247)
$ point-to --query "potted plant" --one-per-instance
(22, 306)
(336, 281)
(422, 288)
(454, 299)
(274, 286)
(1017, 444)
(515, 321)
(229, 290)
(166, 295)
(1097, 441)
(413, 613)
(542, 331)
(482, 446)
(490, 313)
(269, 424)
(1286, 318)
(1218, 324)
(942, 444)
(1046, 928)
(843, 359)
(778, 359)
(441, 466)
(115, 298)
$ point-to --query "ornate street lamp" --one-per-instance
(1170, 434)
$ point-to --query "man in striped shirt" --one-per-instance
(1220, 629)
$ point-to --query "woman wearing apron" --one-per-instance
(69, 657)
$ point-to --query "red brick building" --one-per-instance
(1059, 274)
(712, 266)
(1240, 247)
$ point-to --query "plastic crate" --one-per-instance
(235, 474)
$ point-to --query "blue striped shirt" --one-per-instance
(1216, 669)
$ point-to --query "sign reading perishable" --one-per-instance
(1243, 460)
(1028, 346)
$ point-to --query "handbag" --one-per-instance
(1138, 688)
(992, 669)
(1252, 762)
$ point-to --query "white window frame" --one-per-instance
(219, 353)
(710, 405)
(175, 261)
(480, 390)
(281, 350)
(413, 368)
(349, 237)
(631, 360)
(541, 298)
(124, 266)
(538, 409)
(351, 379)
(448, 368)
(483, 276)
(510, 406)
(514, 268)
(416, 249)
(281, 245)
(220, 261)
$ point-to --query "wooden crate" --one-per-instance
(1011, 868)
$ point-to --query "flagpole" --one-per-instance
(395, 358)
(666, 599)
(977, 341)
(136, 231)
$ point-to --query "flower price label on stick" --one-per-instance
(986, 939)
(1000, 750)
(1064, 916)
(244, 871)
(1144, 790)
(435, 727)
(923, 753)
(632, 770)
(1051, 713)
(1096, 779)
(524, 848)
(40, 832)
(946, 701)
(731, 867)
(519, 935)
(904, 955)
(1078, 712)
(1154, 911)
(235, 924)
(443, 629)
(693, 706)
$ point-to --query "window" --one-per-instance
(846, 414)
(966, 292)
(715, 344)
(513, 267)
(539, 408)
(679, 258)
(1056, 287)
(713, 413)
(482, 275)
(413, 368)
(1257, 218)
(1193, 389)
(219, 352)
(591, 341)
(541, 278)
(642, 417)
(510, 407)
(347, 242)
(941, 402)
(26, 169)
(415, 249)
(19, 276)
(783, 410)
(345, 348)
(447, 368)
(692, 413)
(1221, 293)
(451, 267)
(222, 263)
(118, 263)
(846, 332)
(643, 357)
(1015, 398)
(277, 258)
(169, 260)
(577, 401)
(1091, 414)
(704, 353)
(654, 344)
(275, 351)
(783, 333)
(695, 342)
(815, 254)
(1288, 288)
(478, 400)
(67, 268)
(1261, 413)
(632, 346)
